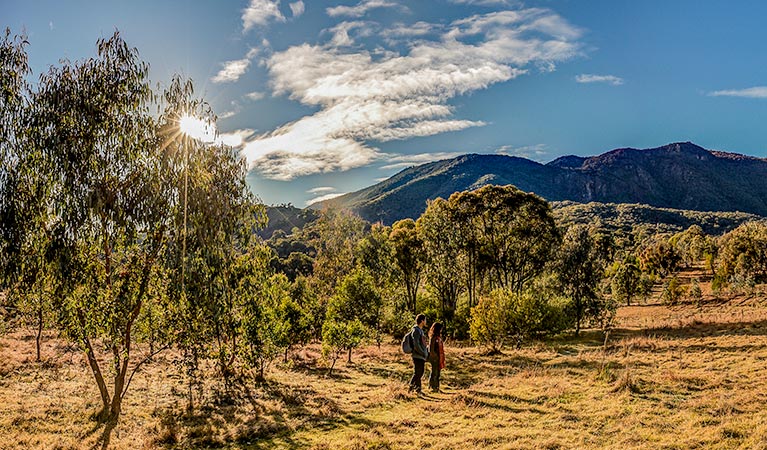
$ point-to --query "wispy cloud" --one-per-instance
(753, 92)
(324, 197)
(404, 161)
(535, 152)
(485, 2)
(255, 96)
(235, 138)
(361, 8)
(380, 95)
(260, 12)
(233, 70)
(590, 78)
(321, 190)
(297, 8)
(410, 30)
(341, 36)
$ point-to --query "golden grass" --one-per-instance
(672, 377)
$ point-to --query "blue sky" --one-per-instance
(327, 97)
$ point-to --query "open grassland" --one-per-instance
(686, 376)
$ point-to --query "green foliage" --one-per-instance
(445, 262)
(625, 281)
(115, 224)
(659, 257)
(673, 291)
(335, 236)
(109, 210)
(743, 254)
(622, 218)
(694, 292)
(341, 336)
(505, 316)
(514, 232)
(303, 294)
(580, 269)
(262, 312)
(356, 300)
(690, 245)
(409, 259)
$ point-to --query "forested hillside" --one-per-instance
(680, 176)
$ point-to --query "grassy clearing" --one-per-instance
(672, 377)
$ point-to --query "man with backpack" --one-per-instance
(415, 341)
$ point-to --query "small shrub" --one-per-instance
(694, 293)
(673, 291)
(506, 316)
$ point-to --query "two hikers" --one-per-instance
(422, 350)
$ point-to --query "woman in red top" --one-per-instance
(436, 355)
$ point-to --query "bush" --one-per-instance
(504, 316)
(672, 291)
(339, 337)
(695, 293)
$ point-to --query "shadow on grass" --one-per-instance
(253, 415)
(697, 329)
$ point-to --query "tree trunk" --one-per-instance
(350, 356)
(103, 415)
(39, 332)
(333, 364)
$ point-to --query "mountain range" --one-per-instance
(680, 175)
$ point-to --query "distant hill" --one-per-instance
(285, 218)
(680, 176)
(624, 216)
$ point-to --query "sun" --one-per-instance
(197, 128)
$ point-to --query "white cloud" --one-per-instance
(416, 29)
(323, 198)
(383, 95)
(535, 152)
(320, 190)
(405, 161)
(234, 139)
(260, 12)
(361, 8)
(341, 32)
(232, 71)
(590, 78)
(255, 96)
(297, 8)
(753, 92)
(484, 2)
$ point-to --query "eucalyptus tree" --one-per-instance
(517, 233)
(442, 247)
(625, 279)
(356, 300)
(108, 207)
(409, 258)
(743, 254)
(214, 217)
(580, 269)
(335, 235)
(24, 219)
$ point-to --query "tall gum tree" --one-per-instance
(109, 209)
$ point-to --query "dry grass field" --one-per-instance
(671, 377)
